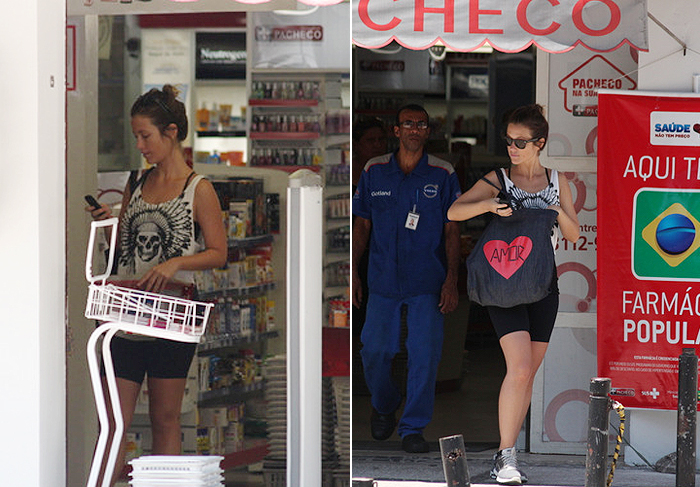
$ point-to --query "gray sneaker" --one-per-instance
(505, 468)
(523, 476)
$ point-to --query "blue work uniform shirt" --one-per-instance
(405, 262)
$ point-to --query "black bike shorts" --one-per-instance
(159, 358)
(535, 318)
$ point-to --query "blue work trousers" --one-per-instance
(381, 341)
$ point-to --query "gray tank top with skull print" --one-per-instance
(150, 234)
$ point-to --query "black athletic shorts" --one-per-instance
(159, 358)
(535, 318)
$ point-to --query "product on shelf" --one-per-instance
(338, 206)
(338, 175)
(219, 118)
(203, 118)
(339, 313)
(284, 123)
(245, 202)
(272, 208)
(338, 122)
(285, 90)
(285, 157)
(241, 368)
(339, 239)
(132, 445)
(220, 430)
(338, 274)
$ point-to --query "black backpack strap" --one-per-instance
(135, 181)
(500, 190)
(502, 193)
(501, 179)
(187, 183)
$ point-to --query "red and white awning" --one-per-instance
(508, 25)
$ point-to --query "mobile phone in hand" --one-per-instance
(92, 201)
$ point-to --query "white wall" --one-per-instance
(664, 68)
(32, 251)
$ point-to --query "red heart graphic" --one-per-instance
(506, 258)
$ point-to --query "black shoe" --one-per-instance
(382, 425)
(415, 443)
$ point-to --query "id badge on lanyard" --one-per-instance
(413, 216)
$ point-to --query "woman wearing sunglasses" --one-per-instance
(524, 330)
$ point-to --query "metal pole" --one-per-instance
(454, 461)
(598, 417)
(687, 414)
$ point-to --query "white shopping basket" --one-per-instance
(166, 316)
(133, 311)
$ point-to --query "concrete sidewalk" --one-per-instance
(399, 469)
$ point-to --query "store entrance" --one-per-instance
(256, 115)
(465, 95)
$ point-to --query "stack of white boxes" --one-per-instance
(176, 471)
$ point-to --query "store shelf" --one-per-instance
(230, 394)
(249, 242)
(284, 135)
(290, 169)
(253, 451)
(217, 342)
(221, 133)
(239, 292)
(282, 103)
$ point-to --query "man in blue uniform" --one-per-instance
(403, 199)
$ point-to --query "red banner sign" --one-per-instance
(648, 241)
(508, 25)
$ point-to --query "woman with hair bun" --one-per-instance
(524, 330)
(169, 226)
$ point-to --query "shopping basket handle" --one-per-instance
(113, 222)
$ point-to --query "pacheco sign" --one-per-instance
(648, 241)
(508, 25)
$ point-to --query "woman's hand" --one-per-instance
(102, 212)
(357, 296)
(158, 277)
(556, 208)
(500, 209)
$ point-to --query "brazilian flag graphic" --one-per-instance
(666, 234)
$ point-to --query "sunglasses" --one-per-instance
(519, 143)
(409, 124)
